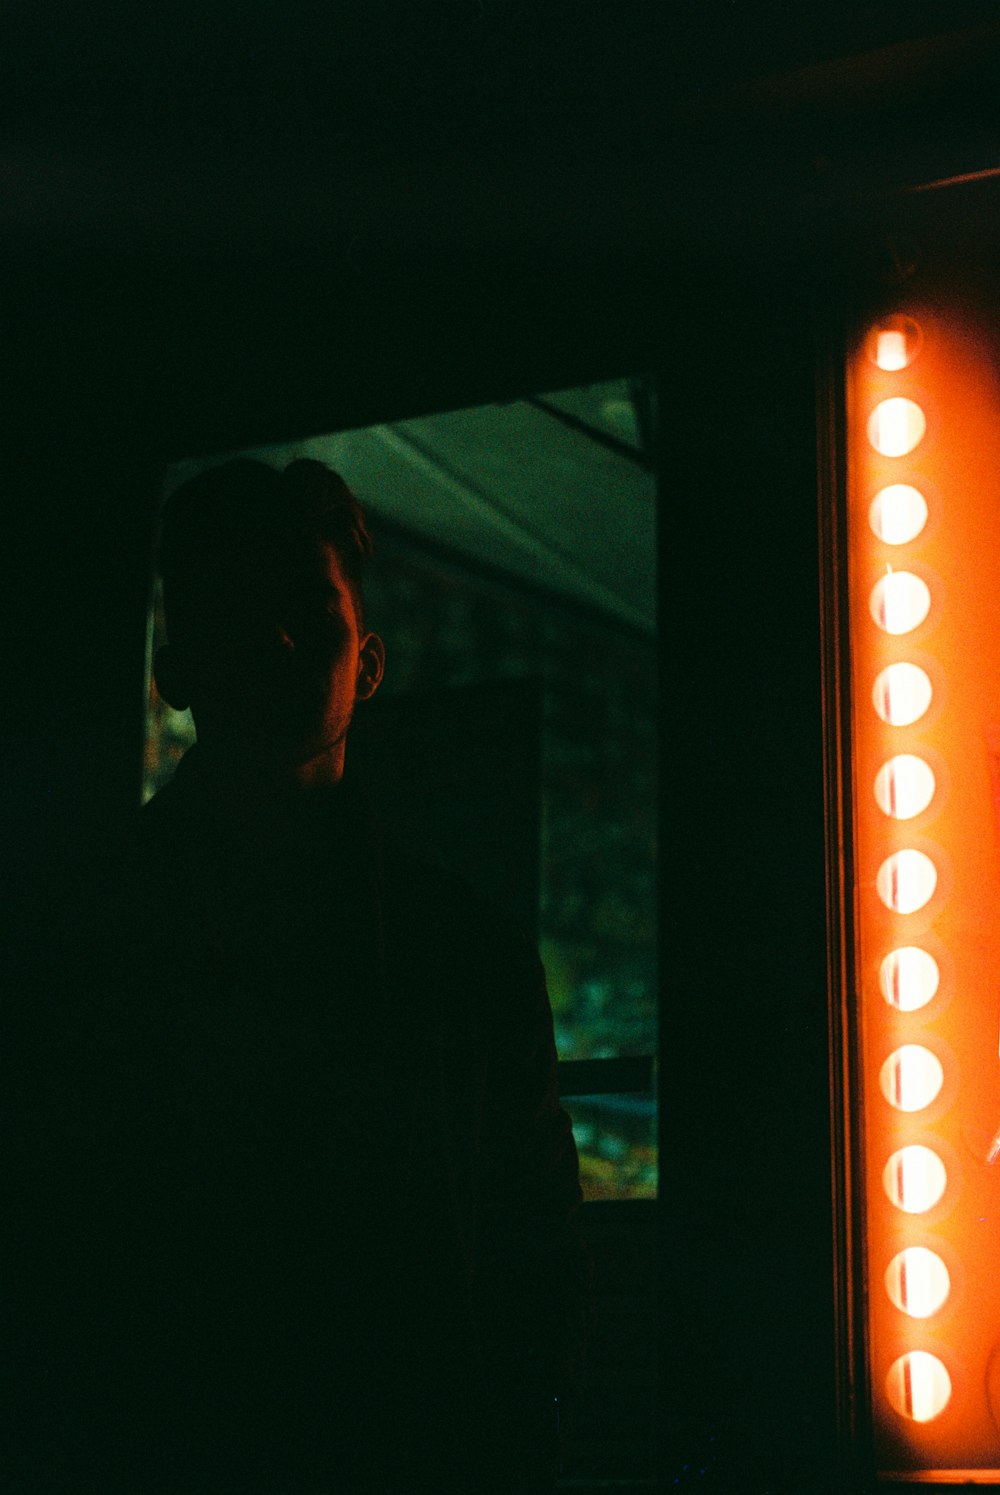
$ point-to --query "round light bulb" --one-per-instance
(904, 786)
(901, 693)
(894, 343)
(906, 881)
(899, 602)
(896, 426)
(909, 978)
(898, 514)
(917, 1282)
(918, 1386)
(911, 1077)
(914, 1179)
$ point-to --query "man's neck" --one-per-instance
(253, 790)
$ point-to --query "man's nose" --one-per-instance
(266, 639)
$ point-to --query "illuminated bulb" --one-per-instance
(917, 1282)
(911, 1077)
(894, 343)
(901, 694)
(914, 1179)
(909, 978)
(918, 1386)
(896, 426)
(904, 786)
(906, 881)
(899, 602)
(898, 514)
(891, 353)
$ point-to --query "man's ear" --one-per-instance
(371, 666)
(168, 673)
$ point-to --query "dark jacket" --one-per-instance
(322, 1189)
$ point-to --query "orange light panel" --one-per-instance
(923, 887)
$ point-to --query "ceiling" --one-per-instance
(556, 493)
(243, 215)
(235, 124)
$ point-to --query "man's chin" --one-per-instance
(269, 745)
(295, 757)
(247, 751)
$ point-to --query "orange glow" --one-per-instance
(918, 1386)
(922, 890)
(917, 1282)
(898, 513)
(901, 694)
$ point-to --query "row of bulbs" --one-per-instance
(914, 1178)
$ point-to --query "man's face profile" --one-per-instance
(273, 658)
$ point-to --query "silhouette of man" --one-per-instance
(331, 1192)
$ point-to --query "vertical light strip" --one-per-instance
(924, 565)
(914, 1177)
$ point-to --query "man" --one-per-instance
(331, 1191)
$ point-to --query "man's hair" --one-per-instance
(246, 509)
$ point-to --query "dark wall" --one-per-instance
(745, 1181)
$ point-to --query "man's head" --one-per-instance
(262, 584)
